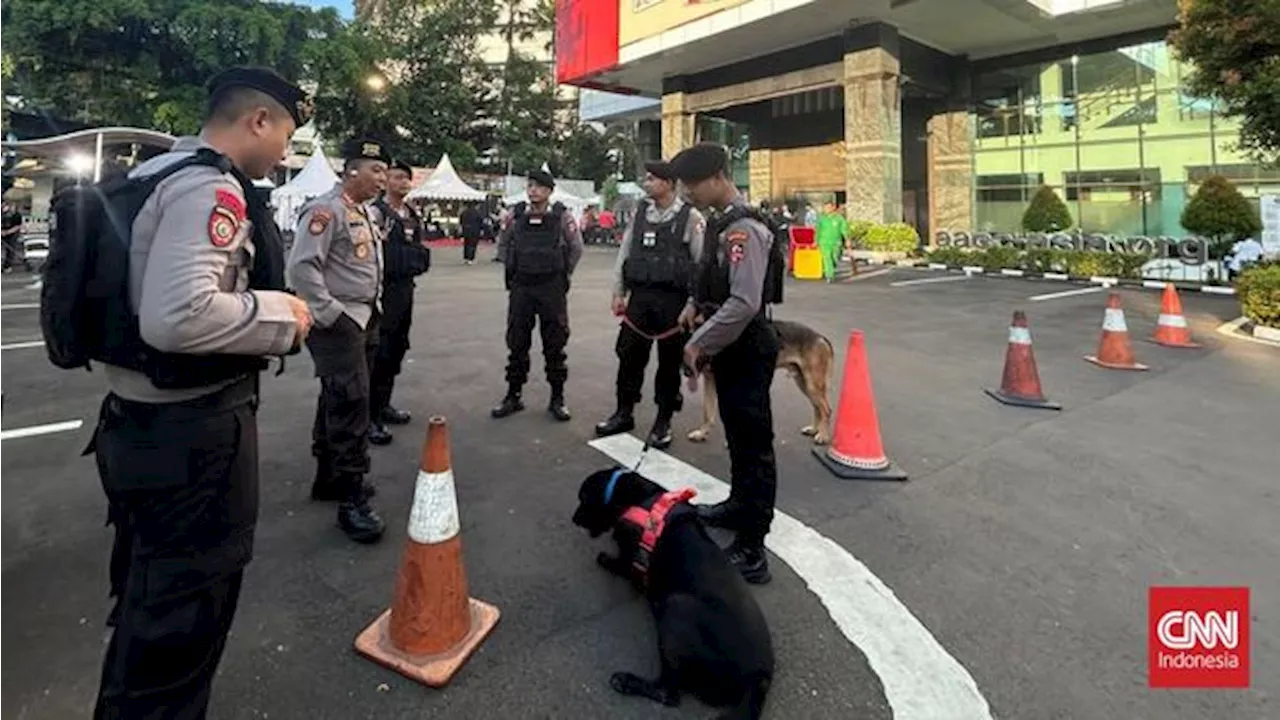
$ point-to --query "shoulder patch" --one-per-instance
(231, 201)
(223, 225)
(320, 220)
(570, 225)
(737, 237)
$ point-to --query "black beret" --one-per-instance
(699, 162)
(365, 149)
(543, 178)
(401, 165)
(268, 81)
(660, 169)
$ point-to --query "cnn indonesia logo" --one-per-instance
(1198, 637)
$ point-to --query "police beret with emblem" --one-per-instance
(401, 165)
(365, 149)
(268, 81)
(543, 178)
(660, 169)
(699, 162)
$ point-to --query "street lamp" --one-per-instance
(79, 164)
(376, 82)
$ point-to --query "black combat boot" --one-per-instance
(393, 416)
(356, 517)
(557, 408)
(378, 434)
(749, 559)
(660, 434)
(619, 422)
(510, 405)
(722, 514)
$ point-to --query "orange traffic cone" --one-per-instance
(856, 452)
(1114, 349)
(1171, 326)
(433, 627)
(1020, 384)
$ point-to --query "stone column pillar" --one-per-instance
(760, 175)
(873, 135)
(950, 148)
(677, 124)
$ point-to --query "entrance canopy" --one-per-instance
(80, 152)
(445, 184)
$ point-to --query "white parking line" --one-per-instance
(1066, 293)
(926, 281)
(921, 680)
(22, 345)
(21, 306)
(41, 429)
(869, 275)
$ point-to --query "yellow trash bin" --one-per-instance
(808, 264)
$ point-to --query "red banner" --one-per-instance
(586, 39)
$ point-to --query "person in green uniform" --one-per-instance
(833, 230)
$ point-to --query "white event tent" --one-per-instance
(573, 202)
(314, 179)
(444, 184)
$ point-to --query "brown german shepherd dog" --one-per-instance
(809, 357)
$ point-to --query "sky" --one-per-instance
(344, 7)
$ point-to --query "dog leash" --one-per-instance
(661, 336)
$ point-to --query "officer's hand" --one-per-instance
(692, 354)
(301, 316)
(619, 305)
(687, 317)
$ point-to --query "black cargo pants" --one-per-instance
(181, 482)
(653, 313)
(547, 303)
(343, 354)
(393, 343)
(744, 375)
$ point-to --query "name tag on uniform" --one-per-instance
(535, 219)
(650, 238)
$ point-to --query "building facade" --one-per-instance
(946, 114)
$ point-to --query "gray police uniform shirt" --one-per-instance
(743, 245)
(189, 261)
(336, 261)
(569, 231)
(654, 215)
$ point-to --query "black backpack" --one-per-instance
(84, 300)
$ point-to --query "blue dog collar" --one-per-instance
(613, 482)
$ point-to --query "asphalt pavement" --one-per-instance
(1024, 541)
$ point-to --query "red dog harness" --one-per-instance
(651, 523)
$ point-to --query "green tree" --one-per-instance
(145, 62)
(1046, 213)
(585, 154)
(1235, 48)
(1218, 211)
(526, 114)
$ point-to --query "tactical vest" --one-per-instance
(404, 257)
(538, 253)
(713, 287)
(659, 257)
(85, 311)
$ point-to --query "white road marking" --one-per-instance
(921, 680)
(869, 275)
(1056, 276)
(41, 430)
(22, 345)
(21, 306)
(926, 281)
(1065, 293)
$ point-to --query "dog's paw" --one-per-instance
(808, 431)
(697, 435)
(610, 563)
(821, 439)
(626, 683)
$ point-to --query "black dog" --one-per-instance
(712, 636)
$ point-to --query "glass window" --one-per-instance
(1113, 133)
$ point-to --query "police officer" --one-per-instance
(406, 257)
(540, 246)
(177, 438)
(336, 266)
(652, 279)
(731, 292)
